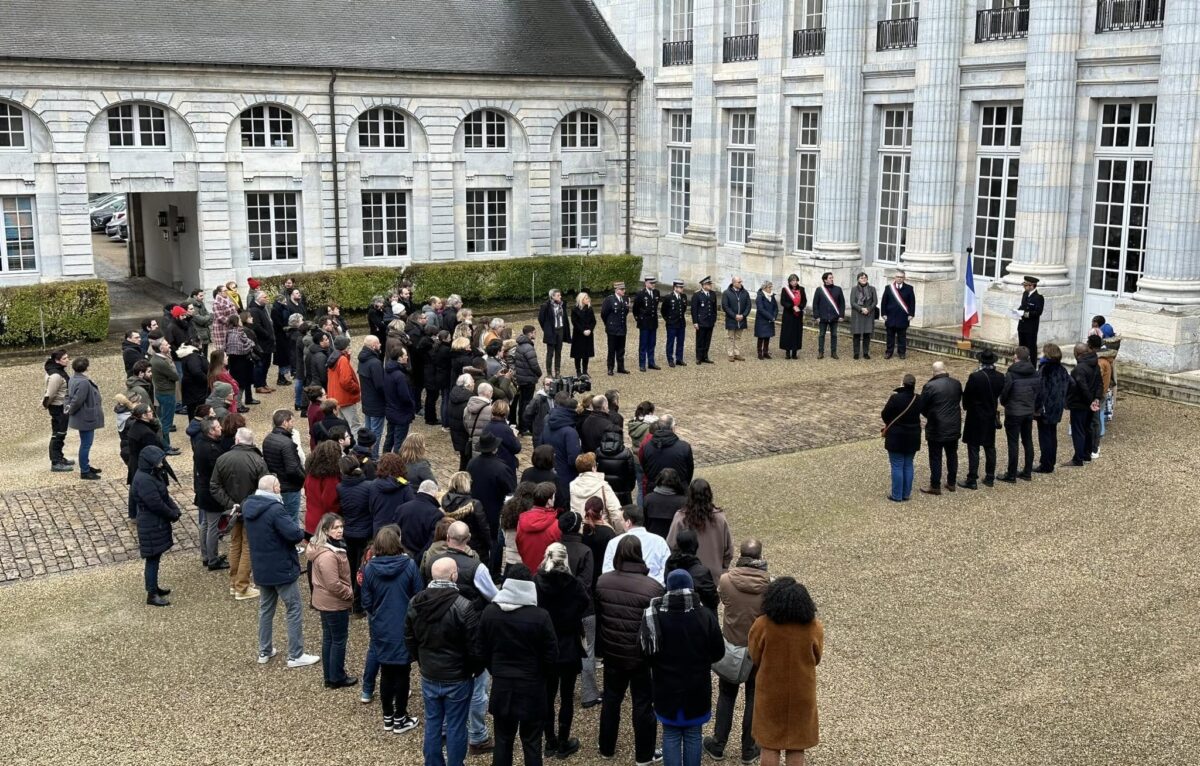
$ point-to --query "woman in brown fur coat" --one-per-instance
(786, 642)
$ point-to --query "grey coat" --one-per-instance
(860, 298)
(84, 406)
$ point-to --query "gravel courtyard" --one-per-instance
(1051, 622)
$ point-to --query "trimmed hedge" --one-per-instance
(515, 280)
(70, 311)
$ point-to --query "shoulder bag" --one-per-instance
(884, 431)
(735, 666)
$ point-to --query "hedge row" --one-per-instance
(510, 280)
(68, 311)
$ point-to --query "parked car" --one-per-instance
(102, 214)
(114, 224)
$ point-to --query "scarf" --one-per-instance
(516, 594)
(794, 297)
(673, 601)
(746, 561)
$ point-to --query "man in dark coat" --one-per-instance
(155, 510)
(645, 312)
(1022, 389)
(828, 308)
(666, 450)
(282, 457)
(704, 319)
(418, 518)
(131, 351)
(372, 389)
(1051, 405)
(595, 425)
(1083, 399)
(674, 314)
(491, 479)
(526, 370)
(614, 312)
(980, 396)
(899, 306)
(1032, 305)
(941, 401)
(206, 449)
(316, 371)
(400, 404)
(141, 431)
(264, 332)
(560, 433)
(235, 477)
(735, 304)
(556, 329)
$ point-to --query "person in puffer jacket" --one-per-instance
(559, 432)
(591, 483)
(390, 581)
(156, 511)
(458, 505)
(478, 413)
(538, 527)
(354, 500)
(615, 461)
(533, 419)
(1051, 405)
(1022, 388)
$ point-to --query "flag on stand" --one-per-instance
(970, 305)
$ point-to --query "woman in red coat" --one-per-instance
(320, 484)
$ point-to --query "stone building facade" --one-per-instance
(1056, 139)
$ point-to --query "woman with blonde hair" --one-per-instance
(416, 464)
(566, 599)
(458, 505)
(332, 596)
(590, 483)
(583, 333)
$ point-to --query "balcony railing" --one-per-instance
(896, 33)
(1002, 23)
(741, 48)
(808, 42)
(677, 53)
(1114, 15)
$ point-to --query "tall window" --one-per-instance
(18, 248)
(487, 221)
(744, 17)
(894, 155)
(12, 127)
(679, 24)
(808, 142)
(679, 169)
(385, 224)
(485, 129)
(272, 223)
(268, 127)
(137, 125)
(1124, 164)
(580, 217)
(382, 128)
(741, 176)
(811, 14)
(904, 9)
(580, 130)
(996, 189)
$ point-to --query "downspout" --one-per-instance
(629, 165)
(337, 197)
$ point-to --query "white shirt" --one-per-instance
(654, 551)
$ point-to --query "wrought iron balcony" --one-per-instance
(1002, 23)
(741, 48)
(808, 42)
(892, 34)
(677, 53)
(1114, 15)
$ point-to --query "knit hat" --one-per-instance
(178, 312)
(569, 523)
(679, 579)
(366, 438)
(253, 283)
(341, 343)
(222, 390)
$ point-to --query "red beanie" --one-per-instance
(178, 312)
(254, 283)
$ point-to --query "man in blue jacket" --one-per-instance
(899, 306)
(735, 302)
(273, 535)
(370, 380)
(560, 433)
(400, 404)
(828, 307)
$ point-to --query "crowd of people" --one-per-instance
(605, 565)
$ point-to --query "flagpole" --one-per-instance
(970, 265)
(964, 343)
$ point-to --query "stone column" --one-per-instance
(765, 242)
(707, 141)
(645, 40)
(1161, 323)
(930, 252)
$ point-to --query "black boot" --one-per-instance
(153, 599)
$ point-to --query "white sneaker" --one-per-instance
(1095, 455)
(250, 593)
(304, 661)
(263, 659)
(403, 724)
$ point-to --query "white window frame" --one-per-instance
(579, 131)
(810, 14)
(385, 220)
(808, 163)
(280, 234)
(1123, 148)
(485, 130)
(679, 170)
(895, 162)
(141, 126)
(275, 124)
(579, 217)
(11, 214)
(383, 129)
(487, 212)
(743, 17)
(13, 138)
(903, 9)
(997, 179)
(740, 166)
(680, 20)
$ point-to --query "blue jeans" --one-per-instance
(396, 434)
(335, 628)
(647, 337)
(681, 745)
(675, 336)
(299, 390)
(291, 504)
(370, 672)
(477, 732)
(902, 474)
(151, 573)
(166, 415)
(375, 424)
(447, 702)
(85, 449)
(446, 408)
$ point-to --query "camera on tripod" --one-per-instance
(573, 385)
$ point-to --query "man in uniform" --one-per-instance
(674, 314)
(1032, 305)
(645, 312)
(614, 313)
(704, 319)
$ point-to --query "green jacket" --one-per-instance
(165, 376)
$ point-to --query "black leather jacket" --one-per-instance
(442, 633)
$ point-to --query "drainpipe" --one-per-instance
(337, 202)
(629, 164)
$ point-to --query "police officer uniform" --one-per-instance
(645, 312)
(674, 314)
(704, 317)
(614, 313)
(1032, 306)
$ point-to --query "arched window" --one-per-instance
(580, 130)
(485, 129)
(268, 127)
(12, 127)
(137, 125)
(382, 128)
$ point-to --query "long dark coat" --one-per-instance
(979, 401)
(791, 308)
(904, 436)
(156, 510)
(766, 308)
(583, 346)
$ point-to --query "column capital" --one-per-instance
(1049, 275)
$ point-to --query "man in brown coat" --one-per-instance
(741, 590)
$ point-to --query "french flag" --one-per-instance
(970, 305)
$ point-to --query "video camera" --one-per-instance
(572, 385)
